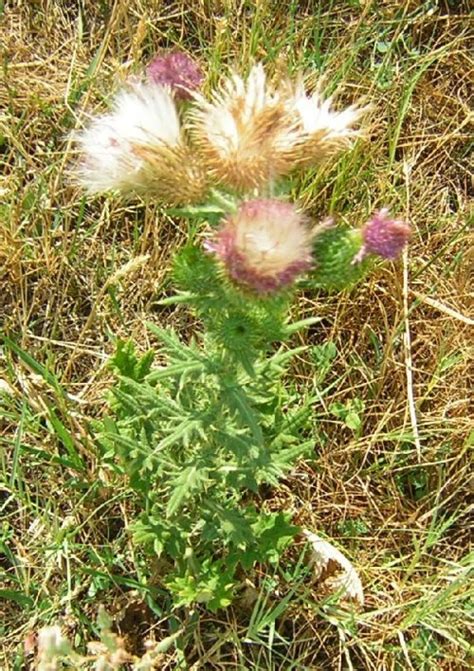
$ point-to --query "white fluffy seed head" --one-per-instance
(233, 109)
(316, 114)
(251, 132)
(143, 116)
(241, 131)
(322, 130)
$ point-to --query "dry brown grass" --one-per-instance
(395, 496)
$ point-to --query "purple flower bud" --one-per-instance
(177, 70)
(384, 236)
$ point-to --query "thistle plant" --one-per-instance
(198, 435)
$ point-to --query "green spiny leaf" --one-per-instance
(190, 481)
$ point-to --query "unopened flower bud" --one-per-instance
(178, 71)
(385, 236)
(334, 251)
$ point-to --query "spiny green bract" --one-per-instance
(241, 323)
(334, 252)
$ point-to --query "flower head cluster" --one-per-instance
(247, 134)
(178, 71)
(251, 132)
(265, 245)
(241, 138)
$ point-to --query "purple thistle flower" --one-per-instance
(177, 70)
(384, 236)
(265, 245)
